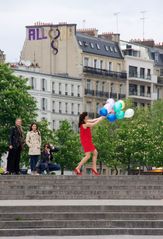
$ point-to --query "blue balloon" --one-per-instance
(103, 112)
(111, 117)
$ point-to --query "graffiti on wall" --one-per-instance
(38, 33)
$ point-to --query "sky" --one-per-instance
(100, 14)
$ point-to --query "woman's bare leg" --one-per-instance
(94, 159)
(84, 160)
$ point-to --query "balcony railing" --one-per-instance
(103, 72)
(136, 75)
(101, 94)
(89, 92)
(105, 95)
(141, 94)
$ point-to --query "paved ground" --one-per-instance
(79, 202)
(86, 237)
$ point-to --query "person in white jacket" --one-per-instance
(33, 140)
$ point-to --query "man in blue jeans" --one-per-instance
(45, 164)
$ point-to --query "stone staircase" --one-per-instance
(81, 220)
(81, 205)
(77, 187)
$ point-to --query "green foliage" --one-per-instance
(131, 143)
(68, 140)
(15, 102)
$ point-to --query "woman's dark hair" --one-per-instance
(47, 145)
(30, 129)
(82, 117)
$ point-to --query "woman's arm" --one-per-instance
(92, 120)
(27, 140)
(94, 123)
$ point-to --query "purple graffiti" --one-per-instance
(36, 34)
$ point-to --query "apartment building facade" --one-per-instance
(58, 98)
(95, 59)
(141, 77)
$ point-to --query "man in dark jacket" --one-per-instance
(16, 142)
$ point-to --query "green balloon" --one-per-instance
(120, 115)
(117, 106)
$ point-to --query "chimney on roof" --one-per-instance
(145, 42)
(110, 36)
(89, 31)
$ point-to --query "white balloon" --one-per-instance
(129, 113)
(111, 102)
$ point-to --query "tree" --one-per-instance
(68, 140)
(15, 101)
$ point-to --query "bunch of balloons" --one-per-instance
(114, 110)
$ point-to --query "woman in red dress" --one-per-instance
(85, 126)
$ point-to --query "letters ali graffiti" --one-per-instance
(39, 34)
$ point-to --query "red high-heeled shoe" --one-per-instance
(95, 172)
(77, 172)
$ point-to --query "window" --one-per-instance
(53, 124)
(111, 48)
(142, 72)
(80, 43)
(106, 48)
(115, 49)
(142, 90)
(72, 90)
(101, 64)
(98, 46)
(103, 86)
(97, 85)
(148, 90)
(118, 67)
(78, 89)
(53, 87)
(60, 88)
(60, 107)
(86, 61)
(85, 43)
(33, 83)
(110, 66)
(72, 108)
(158, 93)
(112, 88)
(78, 109)
(53, 106)
(44, 84)
(66, 107)
(88, 107)
(44, 104)
(92, 45)
(133, 89)
(156, 56)
(66, 89)
(161, 72)
(88, 84)
(95, 63)
(133, 71)
(120, 88)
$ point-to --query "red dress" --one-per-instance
(86, 139)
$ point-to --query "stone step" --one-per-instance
(80, 231)
(81, 224)
(81, 215)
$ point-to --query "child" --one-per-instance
(85, 126)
